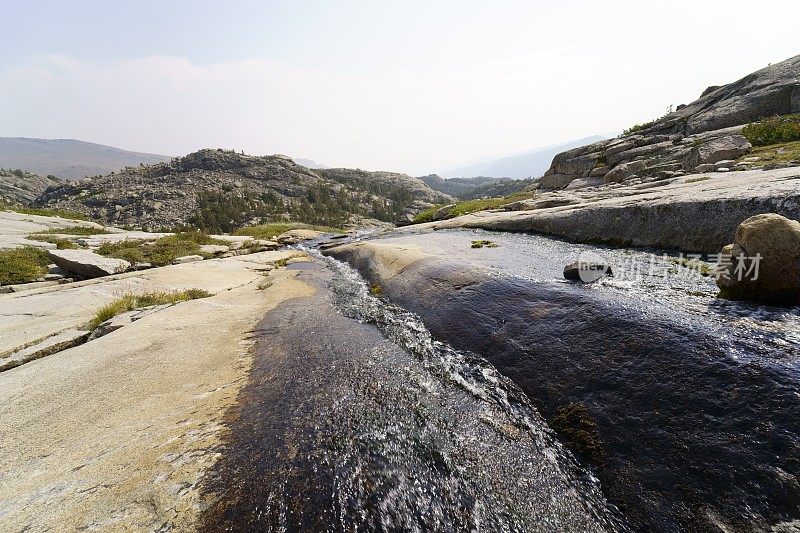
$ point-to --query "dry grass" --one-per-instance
(131, 302)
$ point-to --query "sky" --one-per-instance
(412, 86)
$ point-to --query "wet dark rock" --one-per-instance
(587, 271)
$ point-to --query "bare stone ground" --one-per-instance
(115, 434)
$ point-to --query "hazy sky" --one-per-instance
(411, 86)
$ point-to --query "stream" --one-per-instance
(691, 403)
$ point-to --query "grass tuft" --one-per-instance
(131, 302)
(60, 242)
(22, 265)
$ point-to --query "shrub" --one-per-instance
(131, 302)
(773, 130)
(21, 265)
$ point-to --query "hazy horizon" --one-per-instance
(414, 88)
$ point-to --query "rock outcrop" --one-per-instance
(703, 132)
(696, 213)
(88, 264)
(20, 187)
(763, 262)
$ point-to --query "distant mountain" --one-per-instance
(530, 164)
(68, 158)
(308, 163)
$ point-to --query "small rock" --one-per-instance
(53, 277)
(187, 259)
(587, 271)
(142, 265)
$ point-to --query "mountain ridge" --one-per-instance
(69, 159)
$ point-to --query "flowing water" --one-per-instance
(426, 408)
(696, 400)
(368, 423)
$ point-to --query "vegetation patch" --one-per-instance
(574, 424)
(74, 230)
(60, 242)
(473, 206)
(22, 265)
(483, 243)
(376, 290)
(636, 128)
(159, 252)
(131, 302)
(44, 212)
(776, 153)
(273, 229)
(773, 130)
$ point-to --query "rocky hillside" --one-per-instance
(18, 187)
(69, 158)
(702, 136)
(219, 190)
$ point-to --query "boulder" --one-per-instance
(587, 271)
(87, 264)
(555, 181)
(717, 149)
(624, 170)
(213, 248)
(764, 261)
(443, 212)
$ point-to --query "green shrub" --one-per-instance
(21, 265)
(426, 215)
(773, 130)
(130, 302)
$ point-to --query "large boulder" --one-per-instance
(623, 171)
(717, 149)
(87, 264)
(764, 261)
(555, 181)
